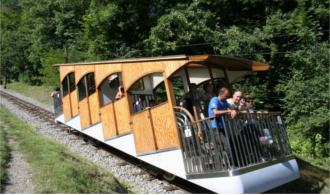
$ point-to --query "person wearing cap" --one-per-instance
(198, 95)
(138, 105)
(120, 93)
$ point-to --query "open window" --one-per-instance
(109, 87)
(192, 78)
(148, 92)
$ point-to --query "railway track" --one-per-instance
(150, 171)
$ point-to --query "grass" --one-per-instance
(313, 180)
(55, 168)
(39, 93)
(4, 156)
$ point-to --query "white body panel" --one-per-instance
(95, 131)
(125, 143)
(253, 182)
(172, 161)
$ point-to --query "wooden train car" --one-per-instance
(177, 140)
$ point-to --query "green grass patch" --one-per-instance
(39, 93)
(55, 168)
(313, 180)
(4, 156)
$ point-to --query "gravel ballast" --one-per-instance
(138, 183)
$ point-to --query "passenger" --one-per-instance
(251, 120)
(164, 98)
(120, 93)
(219, 106)
(237, 102)
(208, 91)
(209, 95)
(152, 103)
(138, 106)
(198, 95)
(56, 92)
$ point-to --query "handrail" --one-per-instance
(188, 113)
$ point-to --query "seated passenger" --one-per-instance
(120, 93)
(198, 95)
(237, 102)
(152, 103)
(138, 105)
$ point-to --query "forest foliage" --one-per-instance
(292, 36)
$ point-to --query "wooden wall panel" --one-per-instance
(81, 70)
(142, 130)
(74, 102)
(173, 65)
(104, 70)
(84, 113)
(66, 107)
(122, 115)
(164, 126)
(108, 121)
(134, 71)
(64, 70)
(94, 107)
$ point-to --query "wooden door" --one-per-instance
(122, 115)
(164, 127)
(108, 120)
(94, 107)
(66, 107)
(84, 113)
(143, 133)
(74, 102)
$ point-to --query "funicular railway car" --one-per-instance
(172, 138)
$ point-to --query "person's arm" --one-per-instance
(233, 113)
(183, 99)
(119, 94)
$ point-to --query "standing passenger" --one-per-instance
(219, 106)
(237, 102)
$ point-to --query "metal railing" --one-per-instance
(245, 141)
(58, 105)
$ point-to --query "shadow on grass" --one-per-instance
(313, 180)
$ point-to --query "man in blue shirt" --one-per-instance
(219, 106)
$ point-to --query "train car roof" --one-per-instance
(228, 62)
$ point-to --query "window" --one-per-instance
(138, 86)
(90, 83)
(72, 82)
(82, 89)
(65, 89)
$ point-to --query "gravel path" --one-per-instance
(138, 183)
(19, 181)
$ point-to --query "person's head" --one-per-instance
(141, 98)
(193, 87)
(207, 87)
(164, 98)
(122, 89)
(57, 89)
(249, 101)
(152, 103)
(223, 94)
(238, 95)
